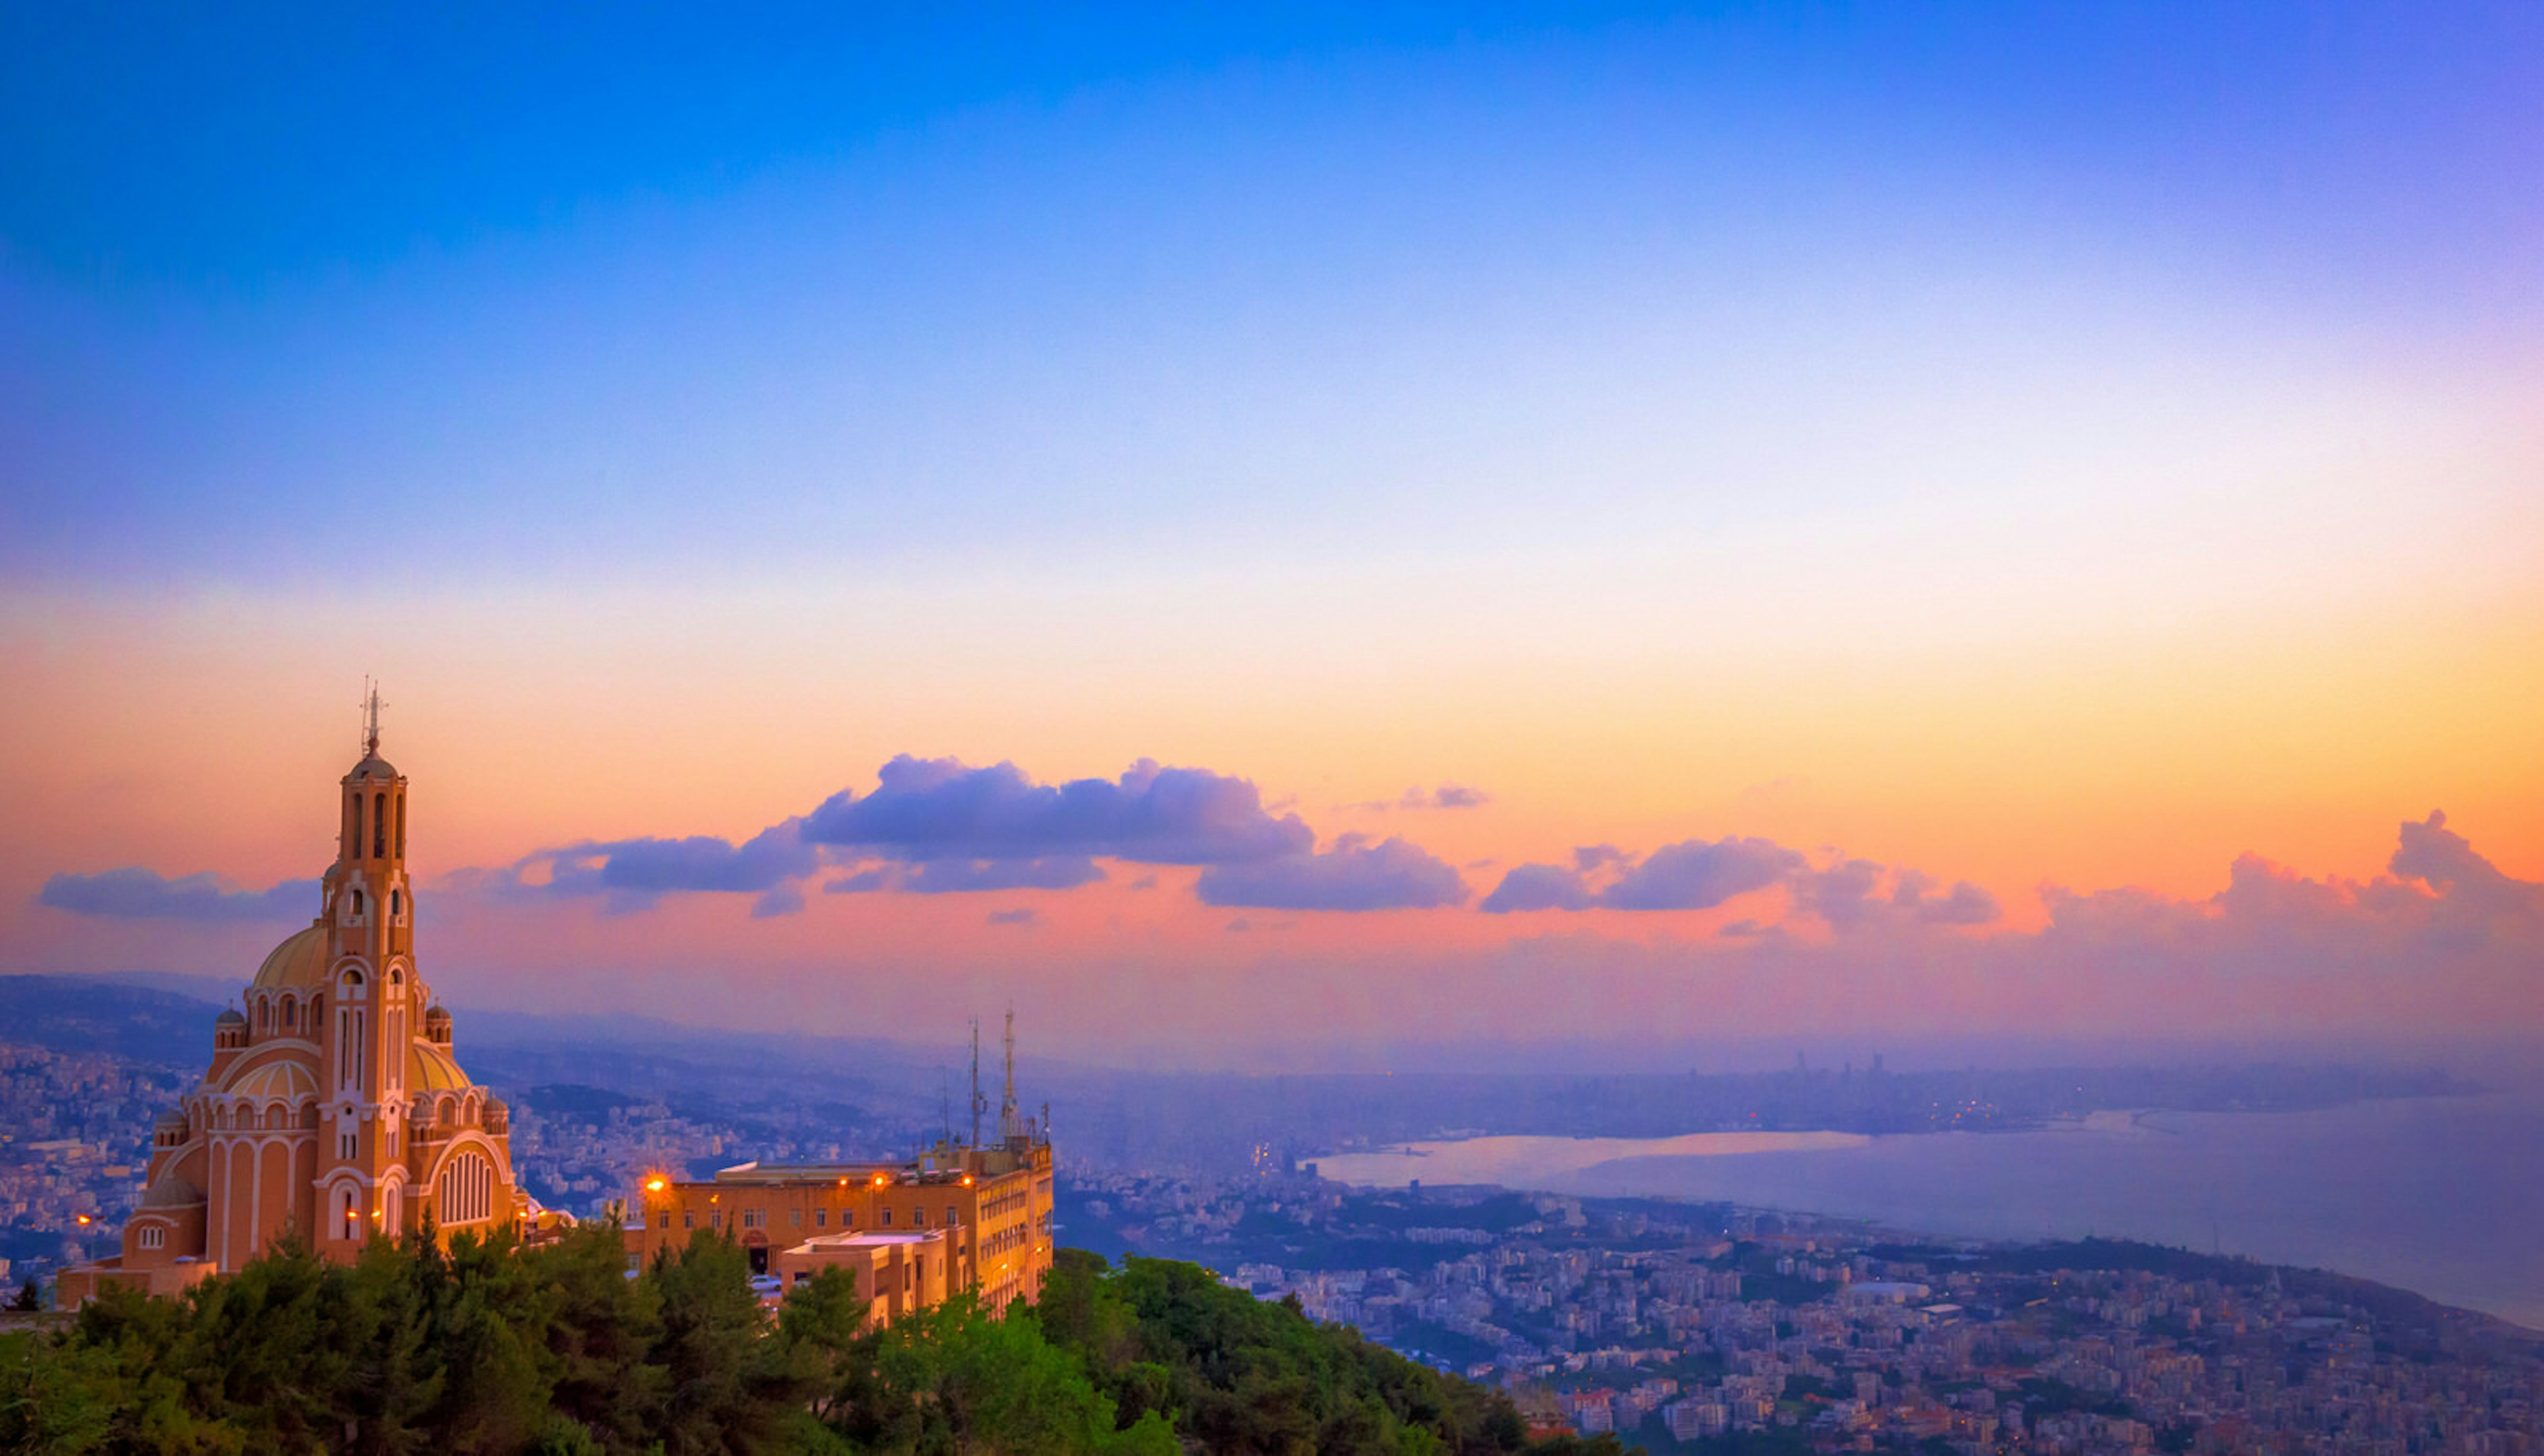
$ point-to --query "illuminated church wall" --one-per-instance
(333, 1104)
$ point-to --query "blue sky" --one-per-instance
(670, 287)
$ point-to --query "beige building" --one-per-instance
(898, 1273)
(333, 1105)
(982, 1212)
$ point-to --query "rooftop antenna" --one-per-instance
(945, 1102)
(979, 1104)
(1007, 1102)
(371, 718)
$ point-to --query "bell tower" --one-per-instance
(374, 1005)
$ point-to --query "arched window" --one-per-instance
(347, 1218)
(287, 1004)
(379, 826)
(465, 1192)
(397, 903)
(354, 820)
(392, 1209)
(357, 905)
(348, 1048)
(401, 836)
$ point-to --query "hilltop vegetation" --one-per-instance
(555, 1350)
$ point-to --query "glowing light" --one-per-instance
(83, 1220)
(655, 1186)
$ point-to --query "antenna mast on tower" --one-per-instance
(1007, 1102)
(979, 1104)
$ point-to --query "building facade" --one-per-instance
(334, 1106)
(989, 1206)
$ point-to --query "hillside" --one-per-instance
(555, 1350)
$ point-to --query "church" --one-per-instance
(333, 1105)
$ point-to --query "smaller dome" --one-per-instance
(229, 1017)
(431, 1069)
(434, 1015)
(373, 766)
(281, 1080)
(171, 1191)
(173, 1119)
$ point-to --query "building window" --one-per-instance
(152, 1236)
(465, 1193)
(397, 903)
(919, 1217)
(883, 1218)
(663, 1220)
(953, 1215)
(794, 1218)
(345, 1146)
(821, 1218)
(689, 1218)
(379, 826)
(750, 1218)
(400, 837)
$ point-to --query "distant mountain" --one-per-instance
(121, 1014)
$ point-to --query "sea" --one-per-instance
(2441, 1195)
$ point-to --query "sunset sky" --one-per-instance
(1283, 540)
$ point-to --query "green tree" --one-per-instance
(724, 1389)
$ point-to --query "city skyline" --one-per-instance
(1635, 524)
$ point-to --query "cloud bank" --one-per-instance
(938, 809)
(1849, 896)
(1355, 875)
(940, 827)
(134, 893)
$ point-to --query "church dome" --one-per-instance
(171, 1191)
(300, 960)
(284, 1078)
(229, 1017)
(431, 1069)
(373, 766)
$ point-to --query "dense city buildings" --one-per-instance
(334, 1106)
(1709, 1328)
